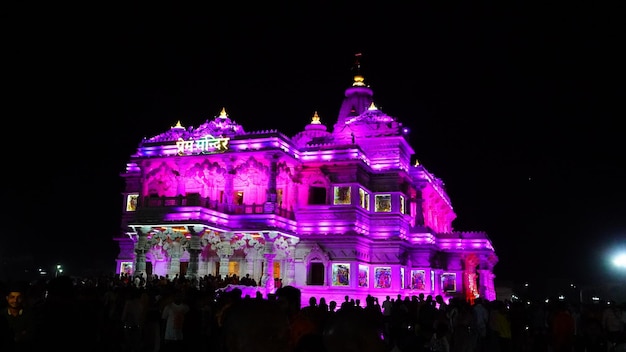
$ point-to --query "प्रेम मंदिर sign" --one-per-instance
(204, 145)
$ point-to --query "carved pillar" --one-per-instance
(174, 267)
(438, 287)
(271, 182)
(194, 253)
(291, 262)
(292, 196)
(269, 279)
(224, 261)
(140, 251)
(249, 266)
(194, 249)
(486, 287)
(229, 189)
(224, 251)
(268, 276)
(259, 272)
(417, 209)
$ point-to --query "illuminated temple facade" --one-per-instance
(335, 212)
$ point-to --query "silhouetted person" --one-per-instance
(350, 330)
(256, 326)
(174, 319)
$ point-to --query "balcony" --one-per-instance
(165, 205)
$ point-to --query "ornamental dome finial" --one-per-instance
(223, 114)
(316, 119)
(358, 78)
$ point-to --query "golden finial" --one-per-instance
(223, 114)
(372, 107)
(417, 163)
(358, 78)
(358, 81)
(316, 119)
(178, 125)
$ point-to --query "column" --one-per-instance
(267, 280)
(192, 268)
(486, 289)
(250, 266)
(438, 288)
(174, 267)
(140, 251)
(224, 261)
(269, 276)
(224, 251)
(259, 272)
(291, 262)
(229, 189)
(417, 204)
(194, 250)
(271, 182)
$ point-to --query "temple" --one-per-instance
(340, 211)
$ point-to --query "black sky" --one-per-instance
(516, 107)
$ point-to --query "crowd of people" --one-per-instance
(162, 314)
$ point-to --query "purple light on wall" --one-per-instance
(423, 240)
(132, 167)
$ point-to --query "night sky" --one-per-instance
(517, 108)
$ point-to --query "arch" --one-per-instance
(312, 261)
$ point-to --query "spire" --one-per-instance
(358, 78)
(178, 125)
(316, 119)
(223, 114)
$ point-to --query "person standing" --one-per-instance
(612, 322)
(17, 319)
(173, 317)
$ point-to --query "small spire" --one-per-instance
(223, 114)
(358, 78)
(316, 119)
(178, 125)
(417, 163)
(372, 107)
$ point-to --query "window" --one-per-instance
(131, 201)
(364, 199)
(279, 197)
(402, 204)
(316, 274)
(239, 198)
(342, 195)
(317, 195)
(383, 202)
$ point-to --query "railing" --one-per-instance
(197, 201)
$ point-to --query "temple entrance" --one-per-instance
(233, 268)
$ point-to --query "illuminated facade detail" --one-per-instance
(333, 211)
(204, 145)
